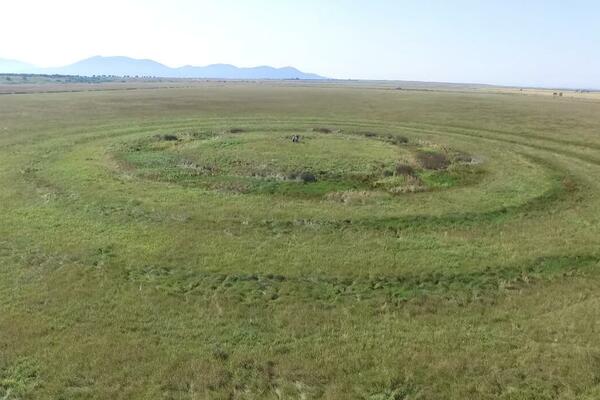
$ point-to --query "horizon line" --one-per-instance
(322, 78)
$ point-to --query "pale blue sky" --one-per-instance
(535, 42)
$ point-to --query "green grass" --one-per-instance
(270, 163)
(137, 267)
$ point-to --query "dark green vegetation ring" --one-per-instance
(338, 174)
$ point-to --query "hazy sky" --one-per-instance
(526, 42)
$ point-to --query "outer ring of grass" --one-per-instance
(346, 218)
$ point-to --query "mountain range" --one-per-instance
(14, 66)
(126, 66)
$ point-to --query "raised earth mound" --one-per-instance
(320, 163)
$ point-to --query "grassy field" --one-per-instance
(173, 243)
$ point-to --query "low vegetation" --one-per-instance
(177, 244)
(271, 162)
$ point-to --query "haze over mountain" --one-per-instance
(14, 66)
(122, 66)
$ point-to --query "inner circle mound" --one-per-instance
(319, 163)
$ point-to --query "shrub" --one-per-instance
(168, 137)
(412, 185)
(435, 161)
(307, 177)
(404, 169)
(356, 197)
(569, 184)
(220, 354)
(398, 139)
(236, 130)
(463, 158)
(304, 176)
(322, 130)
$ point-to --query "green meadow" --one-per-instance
(175, 243)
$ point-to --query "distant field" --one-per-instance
(557, 93)
(423, 243)
(32, 83)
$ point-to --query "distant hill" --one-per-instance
(125, 66)
(14, 66)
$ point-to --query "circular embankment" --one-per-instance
(361, 174)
